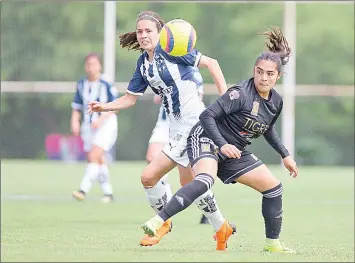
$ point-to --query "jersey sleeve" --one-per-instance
(112, 93)
(231, 101)
(77, 103)
(137, 85)
(191, 59)
(273, 138)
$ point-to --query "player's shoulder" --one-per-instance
(276, 98)
(80, 84)
(243, 88)
(81, 80)
(141, 58)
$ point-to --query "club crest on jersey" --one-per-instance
(234, 95)
(255, 109)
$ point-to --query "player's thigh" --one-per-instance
(259, 178)
(202, 152)
(156, 169)
(186, 174)
(154, 149)
(230, 169)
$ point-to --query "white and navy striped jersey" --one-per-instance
(86, 91)
(199, 82)
(174, 79)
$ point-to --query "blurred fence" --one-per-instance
(43, 46)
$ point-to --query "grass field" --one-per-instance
(41, 222)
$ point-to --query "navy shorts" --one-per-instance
(229, 169)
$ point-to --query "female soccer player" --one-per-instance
(160, 134)
(216, 145)
(173, 79)
(98, 131)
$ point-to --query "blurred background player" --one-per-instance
(98, 131)
(173, 79)
(217, 144)
(160, 133)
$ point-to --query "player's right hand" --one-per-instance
(95, 106)
(231, 151)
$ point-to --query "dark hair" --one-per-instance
(93, 55)
(129, 39)
(279, 51)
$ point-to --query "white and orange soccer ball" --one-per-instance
(177, 37)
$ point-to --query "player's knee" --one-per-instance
(148, 178)
(93, 157)
(149, 157)
(185, 180)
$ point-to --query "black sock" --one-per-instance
(186, 195)
(272, 211)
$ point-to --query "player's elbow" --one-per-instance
(130, 100)
(212, 64)
(206, 115)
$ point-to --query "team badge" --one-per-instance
(205, 147)
(234, 95)
(255, 109)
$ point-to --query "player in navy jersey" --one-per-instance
(173, 79)
(217, 144)
(98, 131)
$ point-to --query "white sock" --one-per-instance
(104, 179)
(91, 173)
(159, 195)
(208, 205)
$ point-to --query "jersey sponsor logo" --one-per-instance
(234, 95)
(166, 91)
(255, 109)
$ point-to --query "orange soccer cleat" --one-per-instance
(162, 231)
(223, 234)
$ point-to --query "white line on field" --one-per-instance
(138, 200)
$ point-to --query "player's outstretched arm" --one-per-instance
(124, 102)
(215, 70)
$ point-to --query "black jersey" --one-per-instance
(241, 115)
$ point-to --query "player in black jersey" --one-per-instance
(217, 144)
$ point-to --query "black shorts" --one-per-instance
(229, 169)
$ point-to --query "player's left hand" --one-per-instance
(290, 164)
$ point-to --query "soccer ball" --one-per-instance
(177, 37)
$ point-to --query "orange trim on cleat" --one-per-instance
(223, 234)
(151, 241)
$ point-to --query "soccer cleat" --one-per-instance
(278, 248)
(222, 235)
(148, 240)
(79, 195)
(204, 220)
(107, 199)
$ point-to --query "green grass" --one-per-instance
(41, 222)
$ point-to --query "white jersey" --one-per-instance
(174, 79)
(160, 133)
(102, 91)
